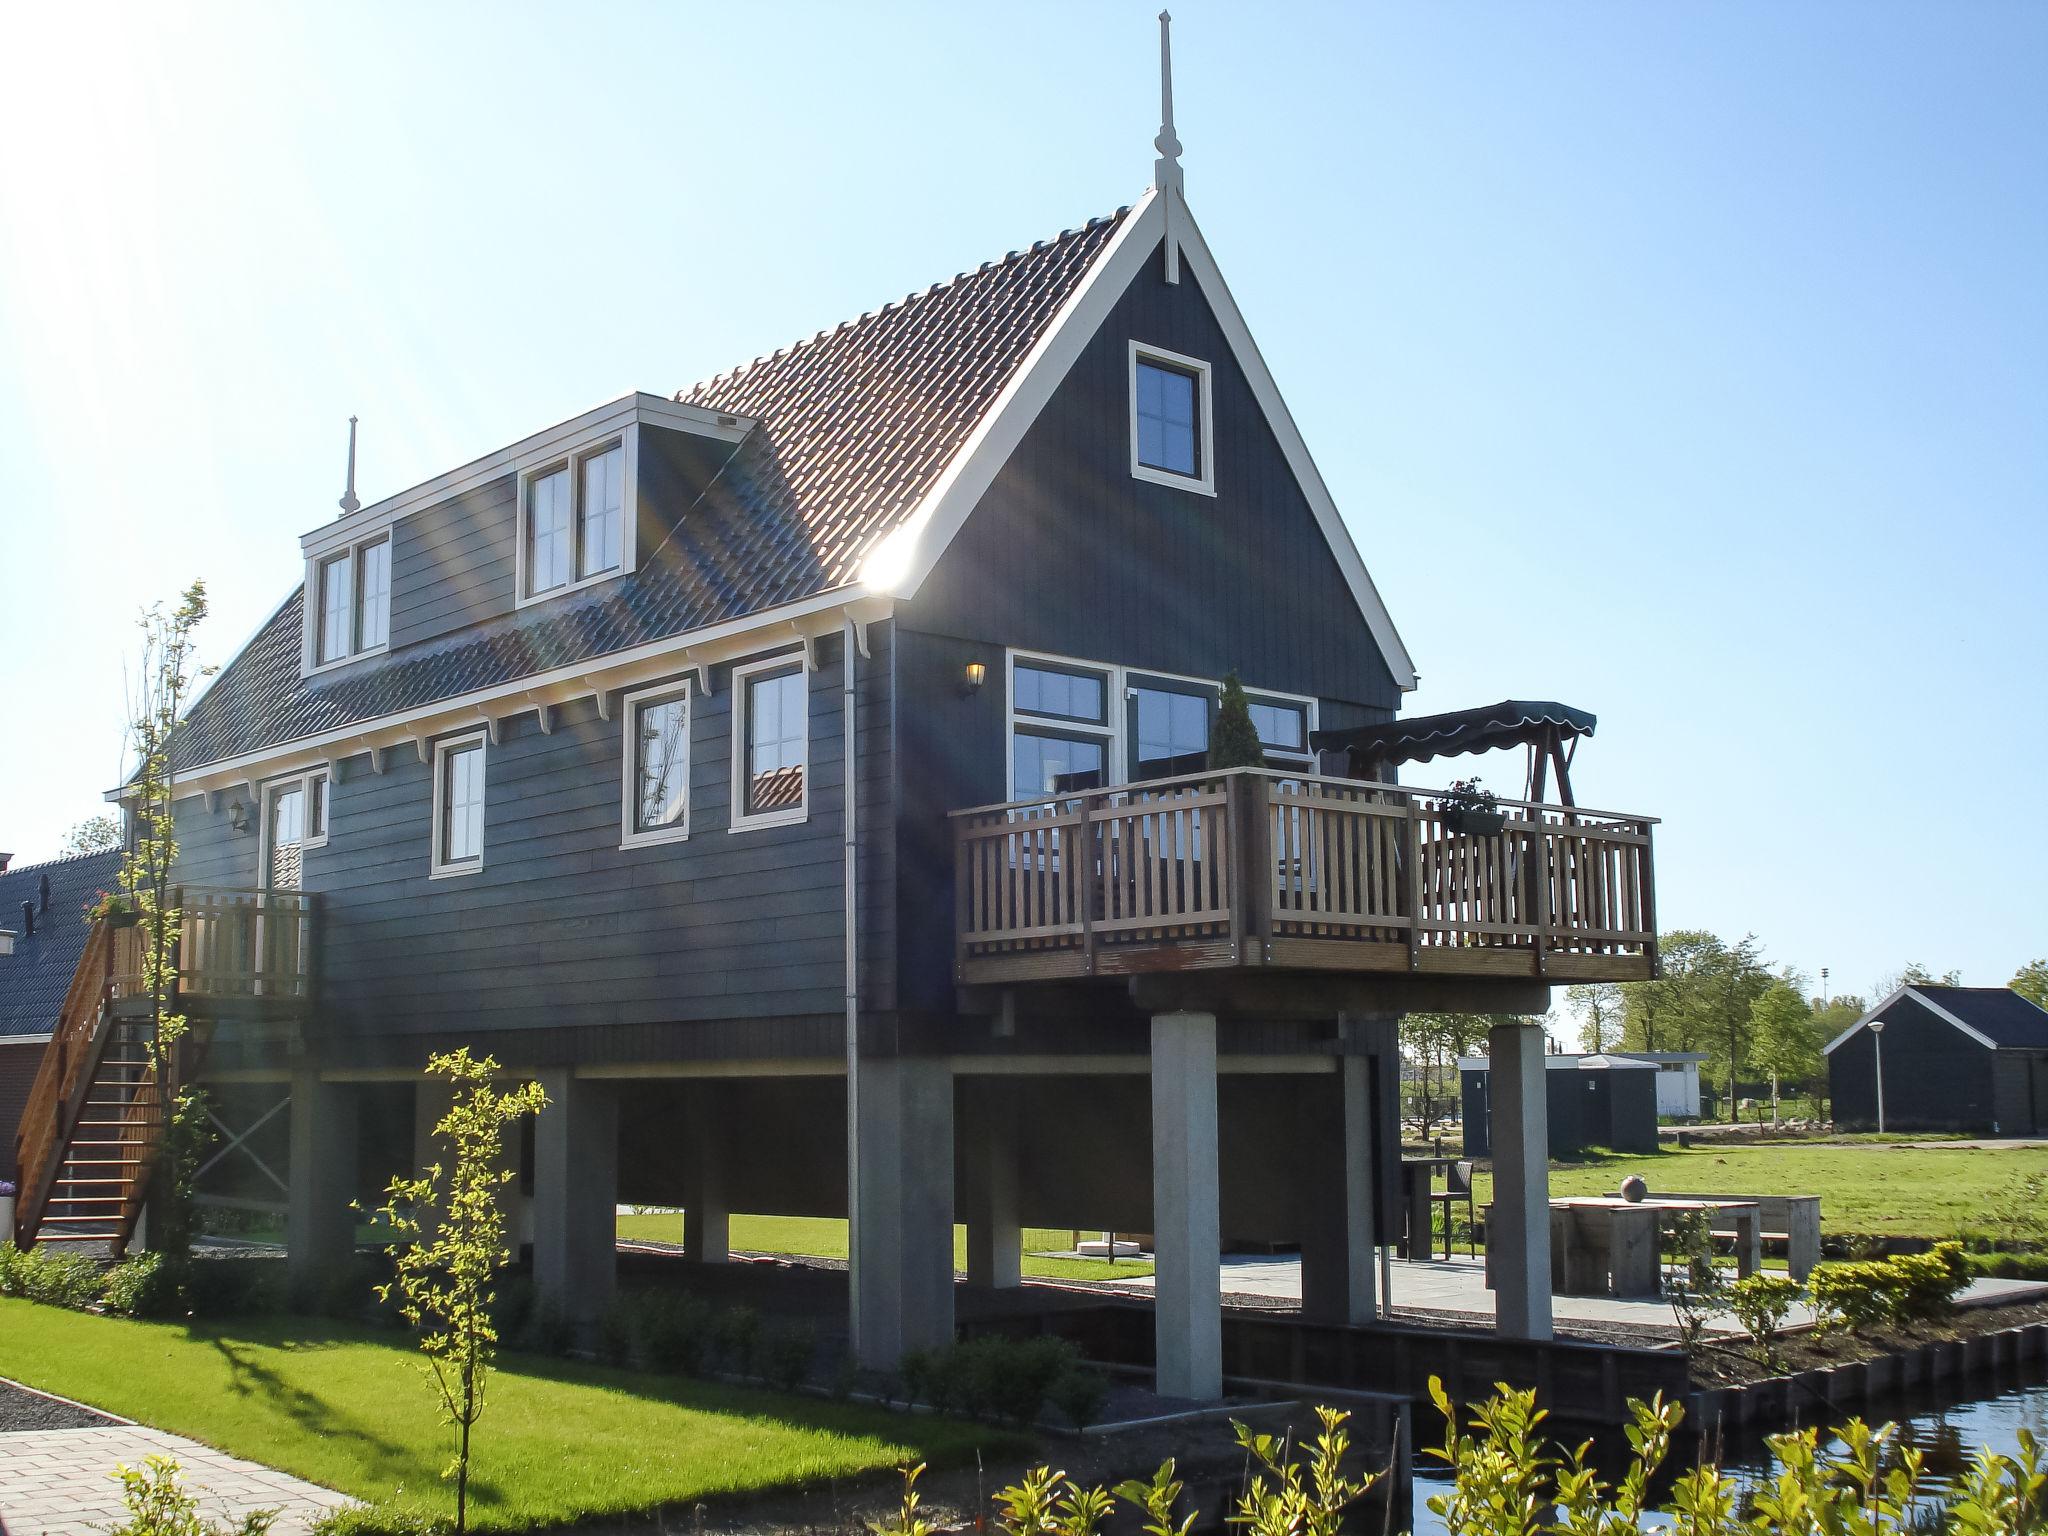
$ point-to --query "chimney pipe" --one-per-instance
(28, 919)
(43, 894)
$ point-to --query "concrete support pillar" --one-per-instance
(319, 1228)
(1339, 1235)
(576, 1195)
(995, 1238)
(902, 1236)
(1187, 1241)
(707, 1223)
(1518, 1240)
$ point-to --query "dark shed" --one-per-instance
(1592, 1101)
(1969, 1060)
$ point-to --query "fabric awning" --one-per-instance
(1510, 723)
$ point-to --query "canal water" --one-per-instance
(1946, 1429)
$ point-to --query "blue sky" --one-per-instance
(1689, 364)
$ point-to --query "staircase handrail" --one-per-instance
(66, 1071)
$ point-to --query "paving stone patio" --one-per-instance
(58, 1482)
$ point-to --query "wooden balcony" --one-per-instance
(1260, 868)
(239, 951)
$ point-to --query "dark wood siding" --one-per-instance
(1936, 1078)
(456, 563)
(1069, 554)
(20, 1060)
(564, 928)
(452, 565)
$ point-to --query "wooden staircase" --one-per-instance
(94, 1120)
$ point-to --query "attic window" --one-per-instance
(352, 593)
(1172, 436)
(573, 521)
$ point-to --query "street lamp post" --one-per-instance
(1877, 1038)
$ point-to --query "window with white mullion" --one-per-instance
(458, 805)
(657, 787)
(336, 606)
(373, 595)
(549, 533)
(601, 518)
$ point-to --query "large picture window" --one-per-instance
(771, 743)
(458, 805)
(1061, 736)
(657, 757)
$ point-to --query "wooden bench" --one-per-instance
(1793, 1220)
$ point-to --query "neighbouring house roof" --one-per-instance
(1665, 1058)
(1557, 1063)
(1995, 1017)
(856, 426)
(1418, 738)
(34, 978)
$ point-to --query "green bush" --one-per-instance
(739, 1339)
(54, 1277)
(148, 1285)
(158, 1504)
(1912, 1288)
(380, 1520)
(1078, 1395)
(548, 1330)
(234, 1287)
(1761, 1302)
(989, 1377)
(512, 1306)
(674, 1333)
(786, 1353)
(615, 1332)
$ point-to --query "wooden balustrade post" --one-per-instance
(1411, 855)
(1087, 881)
(1540, 878)
(1649, 888)
(1248, 803)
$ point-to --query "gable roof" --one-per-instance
(1995, 1017)
(872, 442)
(34, 978)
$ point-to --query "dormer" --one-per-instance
(563, 511)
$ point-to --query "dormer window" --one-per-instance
(573, 521)
(352, 589)
(1172, 431)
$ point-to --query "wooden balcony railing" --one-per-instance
(61, 1079)
(1251, 867)
(232, 944)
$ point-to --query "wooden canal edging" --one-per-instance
(1586, 1383)
(1830, 1394)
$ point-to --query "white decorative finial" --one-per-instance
(1166, 169)
(348, 497)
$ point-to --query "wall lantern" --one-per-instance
(973, 677)
(238, 816)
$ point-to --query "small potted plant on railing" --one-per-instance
(111, 908)
(1467, 808)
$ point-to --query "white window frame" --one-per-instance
(1203, 484)
(740, 820)
(315, 606)
(303, 783)
(572, 458)
(631, 834)
(1121, 682)
(437, 867)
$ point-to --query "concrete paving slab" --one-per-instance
(60, 1482)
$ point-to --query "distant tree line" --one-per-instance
(1721, 999)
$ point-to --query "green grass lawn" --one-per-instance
(560, 1441)
(1899, 1189)
(825, 1238)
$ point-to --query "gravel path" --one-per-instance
(21, 1409)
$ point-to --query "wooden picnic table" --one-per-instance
(1602, 1245)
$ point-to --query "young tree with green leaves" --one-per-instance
(95, 834)
(450, 1224)
(1234, 741)
(169, 670)
(1600, 1007)
(2031, 982)
(1785, 1037)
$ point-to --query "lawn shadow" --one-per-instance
(248, 1377)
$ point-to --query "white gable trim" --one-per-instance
(899, 565)
(1924, 1001)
